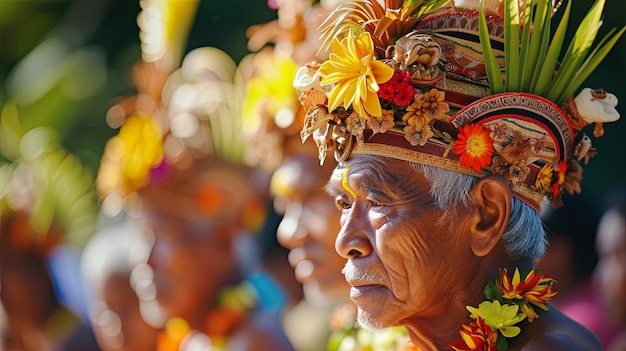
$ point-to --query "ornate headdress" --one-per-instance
(477, 89)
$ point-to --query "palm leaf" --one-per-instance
(532, 58)
(544, 77)
(544, 41)
(525, 43)
(577, 50)
(602, 49)
(491, 65)
(511, 45)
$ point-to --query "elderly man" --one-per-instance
(422, 242)
(450, 131)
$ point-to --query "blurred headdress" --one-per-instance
(474, 87)
(184, 121)
(272, 115)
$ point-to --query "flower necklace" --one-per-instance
(234, 304)
(509, 302)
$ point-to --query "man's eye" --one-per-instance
(342, 204)
(375, 204)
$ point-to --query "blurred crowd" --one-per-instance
(207, 226)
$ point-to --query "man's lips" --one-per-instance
(361, 290)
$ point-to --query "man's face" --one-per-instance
(308, 229)
(402, 265)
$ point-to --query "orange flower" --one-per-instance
(380, 124)
(434, 105)
(476, 335)
(474, 146)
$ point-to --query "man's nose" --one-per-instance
(352, 240)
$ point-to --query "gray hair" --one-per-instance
(524, 236)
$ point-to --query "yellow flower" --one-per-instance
(142, 149)
(356, 74)
(270, 94)
(544, 178)
(501, 317)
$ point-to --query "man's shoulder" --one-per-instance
(555, 331)
(572, 340)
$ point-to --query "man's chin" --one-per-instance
(370, 323)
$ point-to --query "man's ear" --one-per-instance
(492, 200)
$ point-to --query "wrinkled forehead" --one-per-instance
(391, 175)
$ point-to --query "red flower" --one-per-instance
(474, 146)
(476, 335)
(535, 288)
(398, 89)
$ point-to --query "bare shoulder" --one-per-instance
(555, 331)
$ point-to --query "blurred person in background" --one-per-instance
(610, 273)
(569, 256)
(273, 118)
(47, 212)
(591, 283)
(178, 168)
(106, 264)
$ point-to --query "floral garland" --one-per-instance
(234, 304)
(509, 302)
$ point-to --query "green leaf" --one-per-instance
(588, 28)
(491, 65)
(492, 292)
(577, 51)
(511, 45)
(543, 49)
(602, 49)
(525, 44)
(532, 58)
(501, 343)
(544, 76)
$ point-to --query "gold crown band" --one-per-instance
(521, 191)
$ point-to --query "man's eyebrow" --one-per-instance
(332, 189)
